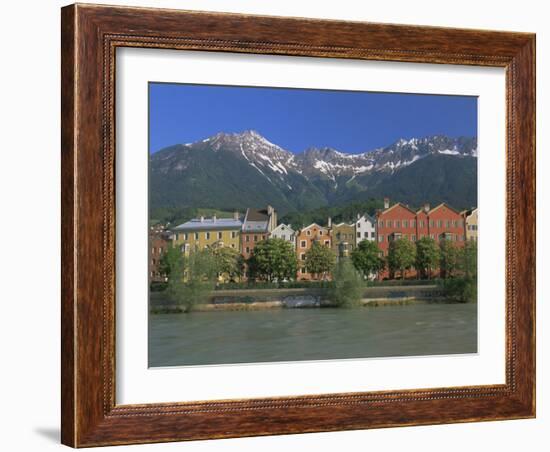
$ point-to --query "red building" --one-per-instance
(159, 241)
(401, 222)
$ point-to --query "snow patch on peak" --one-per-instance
(449, 152)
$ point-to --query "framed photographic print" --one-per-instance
(280, 225)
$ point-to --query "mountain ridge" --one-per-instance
(245, 169)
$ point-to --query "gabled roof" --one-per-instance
(283, 226)
(314, 224)
(443, 204)
(397, 205)
(367, 217)
(256, 215)
(343, 223)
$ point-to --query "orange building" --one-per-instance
(304, 240)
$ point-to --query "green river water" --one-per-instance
(274, 335)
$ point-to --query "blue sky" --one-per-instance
(296, 119)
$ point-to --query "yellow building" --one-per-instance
(343, 238)
(201, 233)
(471, 224)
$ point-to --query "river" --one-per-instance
(311, 334)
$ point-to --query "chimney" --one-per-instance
(202, 219)
(236, 215)
(358, 216)
(329, 222)
(214, 218)
(426, 207)
(386, 203)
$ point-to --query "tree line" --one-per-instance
(192, 277)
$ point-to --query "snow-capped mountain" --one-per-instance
(246, 167)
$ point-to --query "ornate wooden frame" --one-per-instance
(90, 35)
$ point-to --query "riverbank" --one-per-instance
(264, 299)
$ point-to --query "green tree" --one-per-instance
(172, 260)
(347, 286)
(463, 288)
(367, 259)
(320, 260)
(427, 256)
(401, 256)
(449, 256)
(229, 262)
(192, 279)
(273, 259)
(468, 259)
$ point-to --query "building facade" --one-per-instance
(201, 233)
(342, 237)
(257, 225)
(470, 218)
(159, 240)
(284, 232)
(304, 240)
(365, 228)
(393, 223)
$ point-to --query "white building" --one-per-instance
(285, 232)
(365, 228)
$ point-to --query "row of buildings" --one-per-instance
(244, 232)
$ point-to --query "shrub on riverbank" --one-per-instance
(347, 286)
(463, 290)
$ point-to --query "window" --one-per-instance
(380, 238)
(247, 238)
(303, 244)
(389, 223)
(177, 236)
(207, 235)
(303, 256)
(233, 234)
(431, 223)
(359, 235)
(372, 234)
(219, 235)
(303, 270)
(397, 224)
(358, 225)
(405, 224)
(327, 242)
(413, 223)
(232, 245)
(247, 250)
(186, 236)
(413, 238)
(320, 232)
(421, 223)
(196, 236)
(439, 223)
(255, 238)
(365, 234)
(380, 223)
(308, 232)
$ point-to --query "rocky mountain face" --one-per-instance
(229, 171)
